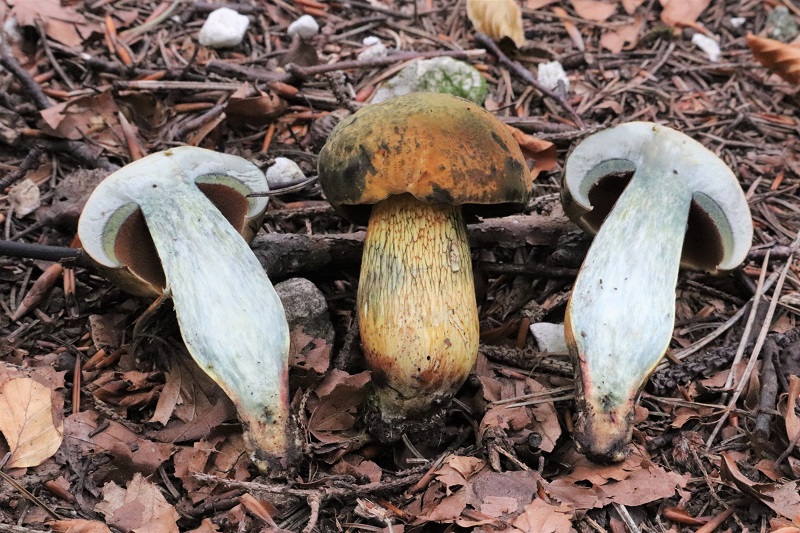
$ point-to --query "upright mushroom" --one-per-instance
(418, 158)
(172, 224)
(663, 201)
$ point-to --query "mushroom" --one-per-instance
(418, 158)
(663, 201)
(172, 224)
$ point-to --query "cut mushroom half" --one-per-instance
(173, 224)
(663, 200)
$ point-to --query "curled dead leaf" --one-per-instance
(542, 152)
(782, 59)
(26, 421)
(497, 19)
(682, 12)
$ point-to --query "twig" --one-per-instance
(769, 391)
(526, 75)
(42, 252)
(298, 73)
(623, 513)
(314, 503)
(754, 356)
(30, 161)
(11, 64)
(749, 324)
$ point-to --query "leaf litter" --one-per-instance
(149, 443)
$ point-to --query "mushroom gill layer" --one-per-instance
(416, 305)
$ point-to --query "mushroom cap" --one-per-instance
(720, 229)
(437, 147)
(113, 231)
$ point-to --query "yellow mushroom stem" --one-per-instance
(416, 305)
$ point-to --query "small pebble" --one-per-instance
(550, 73)
(306, 27)
(283, 173)
(549, 337)
(707, 45)
(223, 28)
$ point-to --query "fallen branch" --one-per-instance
(526, 75)
(297, 73)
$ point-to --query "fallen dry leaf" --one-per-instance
(26, 421)
(77, 525)
(541, 517)
(131, 452)
(594, 9)
(682, 12)
(333, 415)
(309, 353)
(252, 107)
(86, 116)
(542, 152)
(139, 508)
(622, 37)
(791, 419)
(783, 498)
(40, 288)
(61, 23)
(24, 197)
(782, 59)
(497, 19)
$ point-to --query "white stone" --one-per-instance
(369, 41)
(707, 45)
(223, 28)
(376, 50)
(283, 173)
(549, 74)
(306, 27)
(549, 337)
(738, 22)
(437, 75)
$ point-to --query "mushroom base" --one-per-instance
(416, 306)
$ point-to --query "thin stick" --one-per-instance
(754, 356)
(526, 75)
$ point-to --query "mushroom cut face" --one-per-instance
(719, 228)
(114, 232)
(438, 148)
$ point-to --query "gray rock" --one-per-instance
(437, 75)
(305, 306)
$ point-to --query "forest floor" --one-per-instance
(104, 429)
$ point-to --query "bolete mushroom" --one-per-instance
(663, 201)
(418, 158)
(172, 224)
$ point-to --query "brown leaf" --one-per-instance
(541, 517)
(253, 107)
(782, 59)
(130, 451)
(784, 498)
(85, 116)
(61, 23)
(107, 330)
(77, 525)
(26, 421)
(542, 152)
(791, 419)
(309, 353)
(139, 508)
(682, 12)
(593, 9)
(169, 396)
(334, 414)
(497, 19)
(616, 40)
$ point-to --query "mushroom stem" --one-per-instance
(220, 291)
(621, 314)
(416, 305)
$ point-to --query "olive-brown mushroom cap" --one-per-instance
(437, 147)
